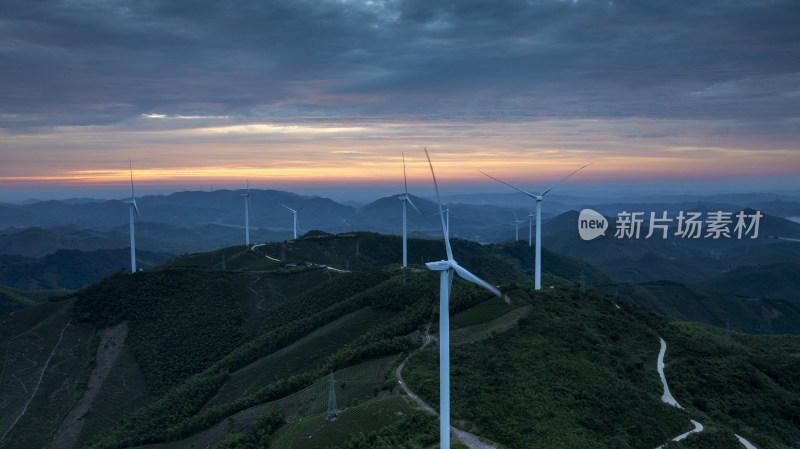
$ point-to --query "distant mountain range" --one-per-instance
(193, 210)
(190, 222)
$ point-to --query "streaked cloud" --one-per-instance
(649, 85)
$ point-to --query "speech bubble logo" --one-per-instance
(591, 224)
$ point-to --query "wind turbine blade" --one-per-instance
(293, 211)
(405, 181)
(478, 281)
(130, 164)
(515, 216)
(565, 178)
(441, 215)
(449, 282)
(532, 195)
(412, 204)
(450, 211)
(136, 208)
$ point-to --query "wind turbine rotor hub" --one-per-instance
(441, 265)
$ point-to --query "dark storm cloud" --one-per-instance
(101, 62)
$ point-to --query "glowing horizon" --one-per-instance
(529, 95)
(364, 153)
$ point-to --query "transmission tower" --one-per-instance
(283, 251)
(583, 283)
(332, 410)
(357, 252)
(224, 266)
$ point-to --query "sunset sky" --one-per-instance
(323, 97)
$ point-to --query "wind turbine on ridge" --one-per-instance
(247, 214)
(406, 200)
(295, 218)
(517, 221)
(538, 197)
(448, 268)
(133, 208)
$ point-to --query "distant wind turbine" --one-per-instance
(538, 197)
(406, 200)
(517, 221)
(247, 214)
(133, 209)
(447, 213)
(295, 218)
(775, 237)
(448, 267)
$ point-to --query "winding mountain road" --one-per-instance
(471, 440)
(669, 399)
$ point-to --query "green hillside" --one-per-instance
(73, 269)
(233, 349)
(684, 302)
(12, 299)
(777, 280)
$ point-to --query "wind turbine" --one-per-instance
(247, 214)
(295, 218)
(447, 213)
(517, 221)
(406, 200)
(530, 227)
(448, 267)
(133, 208)
(538, 197)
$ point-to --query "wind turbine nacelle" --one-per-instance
(441, 265)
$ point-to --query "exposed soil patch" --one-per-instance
(112, 340)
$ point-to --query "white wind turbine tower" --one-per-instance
(406, 200)
(530, 227)
(295, 218)
(448, 267)
(538, 197)
(517, 221)
(247, 214)
(133, 209)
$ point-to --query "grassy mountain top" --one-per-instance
(580, 371)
